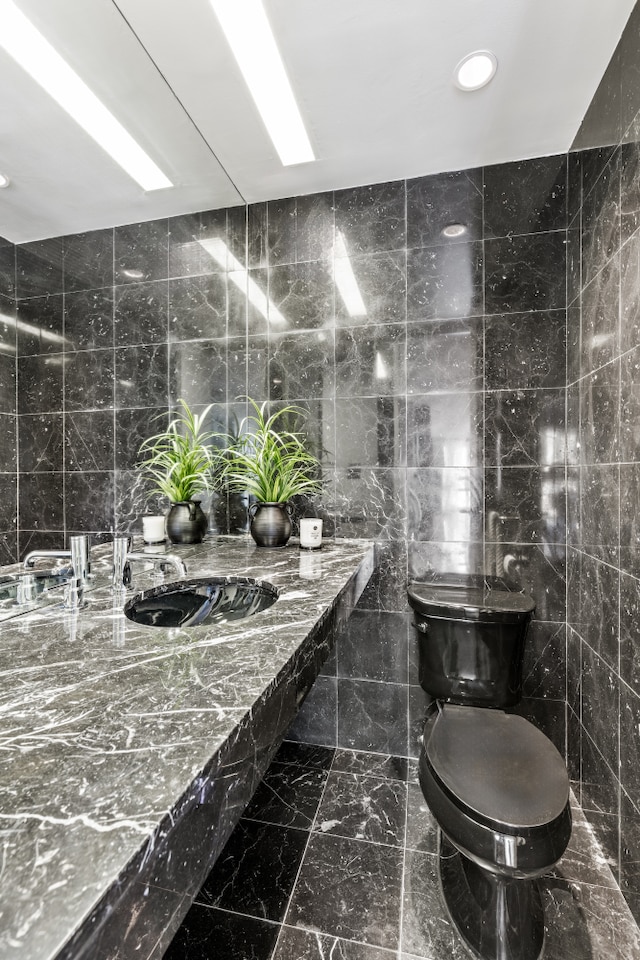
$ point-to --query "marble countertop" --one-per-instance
(106, 726)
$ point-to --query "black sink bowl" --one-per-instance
(201, 601)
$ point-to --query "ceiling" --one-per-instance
(373, 79)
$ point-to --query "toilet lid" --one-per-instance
(498, 765)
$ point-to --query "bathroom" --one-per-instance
(490, 386)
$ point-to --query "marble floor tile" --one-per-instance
(587, 922)
(296, 944)
(305, 755)
(343, 897)
(288, 795)
(350, 889)
(363, 808)
(207, 932)
(422, 830)
(256, 870)
(584, 860)
(426, 929)
(371, 764)
(412, 773)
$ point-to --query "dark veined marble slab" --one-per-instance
(128, 753)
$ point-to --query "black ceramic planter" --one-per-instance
(186, 522)
(271, 523)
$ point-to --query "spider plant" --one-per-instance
(178, 460)
(270, 463)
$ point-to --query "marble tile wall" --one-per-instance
(604, 463)
(8, 422)
(454, 459)
(434, 388)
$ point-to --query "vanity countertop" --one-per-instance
(126, 751)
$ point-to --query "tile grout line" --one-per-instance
(283, 922)
(313, 831)
(404, 868)
(321, 833)
(356, 943)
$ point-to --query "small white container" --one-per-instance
(310, 533)
(153, 529)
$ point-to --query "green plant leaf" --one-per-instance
(270, 463)
(178, 460)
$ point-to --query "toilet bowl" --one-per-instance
(496, 786)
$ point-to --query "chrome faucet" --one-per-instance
(80, 555)
(35, 555)
(123, 556)
(80, 567)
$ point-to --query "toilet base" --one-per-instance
(498, 917)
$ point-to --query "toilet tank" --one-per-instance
(471, 642)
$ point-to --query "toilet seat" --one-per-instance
(497, 787)
(495, 764)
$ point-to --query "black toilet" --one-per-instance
(497, 787)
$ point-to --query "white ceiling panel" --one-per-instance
(373, 79)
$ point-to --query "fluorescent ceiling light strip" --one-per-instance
(251, 39)
(218, 250)
(33, 329)
(345, 280)
(381, 370)
(44, 64)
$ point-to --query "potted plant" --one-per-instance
(271, 464)
(178, 461)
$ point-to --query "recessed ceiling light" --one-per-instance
(4, 181)
(454, 230)
(44, 64)
(246, 27)
(475, 70)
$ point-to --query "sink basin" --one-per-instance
(28, 590)
(201, 601)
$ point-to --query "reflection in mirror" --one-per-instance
(358, 371)
(345, 280)
(32, 330)
(37, 57)
(381, 368)
(217, 248)
(454, 296)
